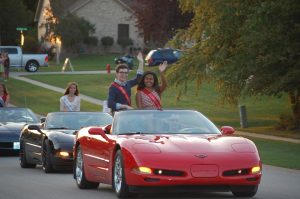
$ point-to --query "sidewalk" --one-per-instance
(269, 137)
(17, 75)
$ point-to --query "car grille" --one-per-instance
(6, 145)
(236, 172)
(168, 172)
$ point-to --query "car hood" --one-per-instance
(10, 131)
(11, 127)
(61, 138)
(190, 143)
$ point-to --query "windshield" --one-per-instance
(163, 122)
(76, 120)
(17, 115)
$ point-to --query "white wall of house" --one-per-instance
(106, 15)
(41, 20)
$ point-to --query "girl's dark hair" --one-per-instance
(141, 84)
(69, 86)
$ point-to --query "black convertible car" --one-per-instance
(51, 143)
(12, 120)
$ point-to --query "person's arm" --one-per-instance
(162, 67)
(7, 101)
(138, 99)
(141, 62)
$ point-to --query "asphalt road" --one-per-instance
(18, 183)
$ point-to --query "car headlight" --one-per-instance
(255, 169)
(63, 154)
(143, 170)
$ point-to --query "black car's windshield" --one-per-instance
(163, 122)
(76, 120)
(17, 115)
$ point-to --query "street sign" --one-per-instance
(21, 28)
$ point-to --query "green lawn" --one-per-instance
(278, 153)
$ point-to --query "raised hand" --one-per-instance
(162, 67)
(140, 57)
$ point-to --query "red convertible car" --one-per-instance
(165, 150)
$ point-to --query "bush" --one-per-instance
(287, 122)
(124, 42)
(107, 41)
(91, 41)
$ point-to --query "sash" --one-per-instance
(123, 92)
(152, 97)
(67, 103)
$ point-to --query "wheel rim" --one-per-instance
(32, 67)
(79, 164)
(118, 174)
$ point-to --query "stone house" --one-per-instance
(111, 18)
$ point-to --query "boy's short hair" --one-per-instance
(121, 66)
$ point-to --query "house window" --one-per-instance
(123, 31)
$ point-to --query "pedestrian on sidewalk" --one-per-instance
(71, 100)
(149, 90)
(1, 66)
(119, 94)
(4, 96)
(6, 64)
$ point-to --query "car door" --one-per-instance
(169, 56)
(99, 150)
(33, 142)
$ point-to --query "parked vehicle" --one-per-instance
(127, 59)
(158, 56)
(12, 120)
(165, 150)
(51, 143)
(31, 62)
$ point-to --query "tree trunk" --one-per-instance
(294, 98)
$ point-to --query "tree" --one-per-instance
(247, 47)
(159, 19)
(13, 14)
(71, 29)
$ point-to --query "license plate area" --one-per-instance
(204, 171)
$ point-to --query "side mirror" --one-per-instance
(96, 131)
(34, 127)
(108, 128)
(42, 119)
(227, 130)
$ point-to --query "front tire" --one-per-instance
(244, 191)
(119, 184)
(46, 157)
(31, 66)
(23, 161)
(81, 181)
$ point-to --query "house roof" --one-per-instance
(73, 5)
